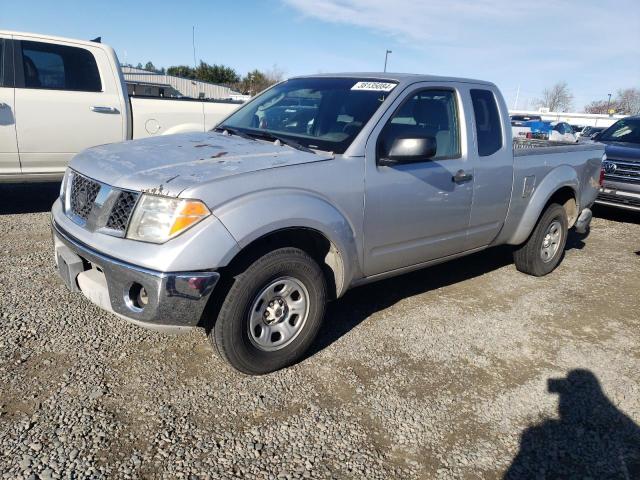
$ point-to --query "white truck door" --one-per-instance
(416, 212)
(67, 99)
(9, 161)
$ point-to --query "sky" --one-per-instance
(525, 46)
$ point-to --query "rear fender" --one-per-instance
(559, 177)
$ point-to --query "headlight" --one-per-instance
(64, 189)
(157, 219)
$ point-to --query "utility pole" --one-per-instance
(515, 104)
(193, 42)
(386, 55)
(608, 103)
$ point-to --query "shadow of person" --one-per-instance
(591, 438)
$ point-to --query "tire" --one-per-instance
(532, 257)
(257, 330)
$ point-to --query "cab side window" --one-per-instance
(59, 67)
(487, 120)
(429, 113)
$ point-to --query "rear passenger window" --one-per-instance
(59, 67)
(431, 113)
(488, 124)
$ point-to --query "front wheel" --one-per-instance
(271, 313)
(542, 252)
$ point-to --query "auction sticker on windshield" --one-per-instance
(374, 86)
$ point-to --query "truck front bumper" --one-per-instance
(159, 300)
(616, 197)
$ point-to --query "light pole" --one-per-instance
(386, 55)
(608, 103)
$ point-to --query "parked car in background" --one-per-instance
(520, 132)
(589, 132)
(59, 96)
(562, 132)
(280, 209)
(552, 131)
(520, 120)
(621, 168)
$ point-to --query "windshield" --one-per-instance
(319, 113)
(625, 130)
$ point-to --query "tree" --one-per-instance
(256, 81)
(216, 73)
(599, 106)
(182, 71)
(557, 98)
(206, 73)
(150, 67)
(626, 102)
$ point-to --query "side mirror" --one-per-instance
(595, 136)
(409, 150)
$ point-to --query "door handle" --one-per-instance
(101, 109)
(461, 177)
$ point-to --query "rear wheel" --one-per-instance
(271, 313)
(544, 249)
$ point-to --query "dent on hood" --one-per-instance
(197, 158)
(216, 159)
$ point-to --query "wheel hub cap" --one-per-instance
(551, 241)
(278, 313)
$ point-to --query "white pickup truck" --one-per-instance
(60, 96)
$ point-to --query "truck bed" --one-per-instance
(530, 146)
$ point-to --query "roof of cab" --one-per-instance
(42, 36)
(405, 78)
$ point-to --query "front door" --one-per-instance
(9, 161)
(66, 100)
(418, 212)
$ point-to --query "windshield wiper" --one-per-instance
(284, 141)
(233, 131)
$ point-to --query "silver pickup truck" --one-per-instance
(315, 186)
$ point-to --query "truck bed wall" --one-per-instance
(165, 116)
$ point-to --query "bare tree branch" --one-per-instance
(557, 98)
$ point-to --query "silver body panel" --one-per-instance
(381, 220)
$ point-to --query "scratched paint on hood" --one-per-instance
(169, 164)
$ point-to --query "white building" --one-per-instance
(143, 82)
(581, 119)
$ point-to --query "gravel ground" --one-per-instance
(444, 373)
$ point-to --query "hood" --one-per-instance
(169, 164)
(623, 150)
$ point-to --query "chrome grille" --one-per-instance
(121, 211)
(83, 194)
(98, 207)
(621, 170)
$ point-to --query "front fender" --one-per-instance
(257, 214)
(559, 177)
